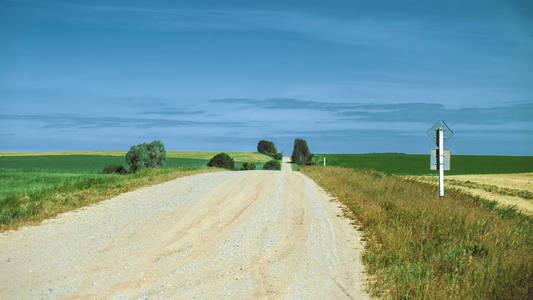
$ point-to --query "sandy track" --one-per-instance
(253, 234)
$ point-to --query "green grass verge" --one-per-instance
(29, 197)
(418, 164)
(419, 246)
(35, 187)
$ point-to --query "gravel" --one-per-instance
(249, 234)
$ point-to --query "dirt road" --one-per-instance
(252, 234)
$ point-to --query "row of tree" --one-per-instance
(300, 154)
(154, 155)
(223, 160)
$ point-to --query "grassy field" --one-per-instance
(200, 155)
(106, 152)
(81, 163)
(30, 197)
(95, 161)
(35, 187)
(419, 246)
(418, 164)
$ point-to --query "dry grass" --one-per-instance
(420, 246)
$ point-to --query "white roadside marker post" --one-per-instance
(439, 133)
(440, 139)
(324, 161)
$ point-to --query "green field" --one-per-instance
(86, 164)
(34, 187)
(202, 155)
(22, 174)
(418, 164)
(95, 161)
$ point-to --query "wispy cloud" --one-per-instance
(174, 112)
(405, 32)
(285, 103)
(426, 112)
(56, 121)
(396, 112)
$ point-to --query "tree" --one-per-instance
(146, 155)
(137, 158)
(300, 154)
(266, 147)
(222, 160)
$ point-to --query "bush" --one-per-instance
(248, 166)
(118, 169)
(277, 156)
(145, 155)
(266, 147)
(272, 165)
(222, 160)
(157, 153)
(300, 154)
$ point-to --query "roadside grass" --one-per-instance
(20, 183)
(36, 187)
(418, 164)
(296, 167)
(30, 197)
(419, 246)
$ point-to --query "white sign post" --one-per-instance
(440, 132)
(324, 161)
(440, 138)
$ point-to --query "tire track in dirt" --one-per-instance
(252, 234)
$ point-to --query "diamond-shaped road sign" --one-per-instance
(447, 133)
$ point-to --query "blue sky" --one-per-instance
(348, 76)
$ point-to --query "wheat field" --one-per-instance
(514, 190)
(237, 156)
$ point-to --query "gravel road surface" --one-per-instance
(234, 235)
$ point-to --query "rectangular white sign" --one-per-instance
(433, 163)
